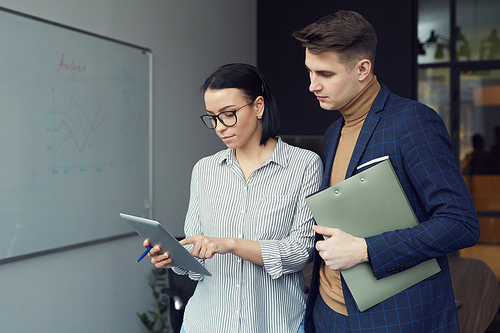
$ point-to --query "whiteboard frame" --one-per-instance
(118, 236)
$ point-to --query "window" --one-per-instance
(459, 76)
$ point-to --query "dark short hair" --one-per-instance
(252, 84)
(346, 32)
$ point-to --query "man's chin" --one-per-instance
(327, 106)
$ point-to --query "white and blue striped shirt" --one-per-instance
(269, 207)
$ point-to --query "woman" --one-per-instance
(247, 220)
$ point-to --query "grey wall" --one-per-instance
(99, 288)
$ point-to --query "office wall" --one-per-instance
(99, 288)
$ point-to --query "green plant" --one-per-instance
(155, 320)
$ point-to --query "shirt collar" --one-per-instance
(279, 156)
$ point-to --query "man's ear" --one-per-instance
(364, 68)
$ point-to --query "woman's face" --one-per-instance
(248, 129)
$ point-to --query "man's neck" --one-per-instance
(361, 103)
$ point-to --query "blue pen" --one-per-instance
(144, 254)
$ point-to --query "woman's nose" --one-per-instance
(220, 127)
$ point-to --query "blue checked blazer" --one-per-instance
(417, 142)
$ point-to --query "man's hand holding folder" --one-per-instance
(341, 250)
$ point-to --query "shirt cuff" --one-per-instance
(272, 258)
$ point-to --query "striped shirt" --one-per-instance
(270, 208)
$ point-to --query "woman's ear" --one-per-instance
(259, 105)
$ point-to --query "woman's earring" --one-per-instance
(259, 116)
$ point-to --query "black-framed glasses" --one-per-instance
(227, 118)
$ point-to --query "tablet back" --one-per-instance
(158, 235)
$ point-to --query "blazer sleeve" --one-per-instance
(437, 192)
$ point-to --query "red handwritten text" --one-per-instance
(70, 67)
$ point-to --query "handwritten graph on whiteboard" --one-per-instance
(75, 135)
(75, 130)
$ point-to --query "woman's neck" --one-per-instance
(250, 158)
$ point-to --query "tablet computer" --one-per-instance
(158, 235)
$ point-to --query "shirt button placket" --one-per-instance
(239, 291)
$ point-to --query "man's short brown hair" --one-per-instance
(346, 32)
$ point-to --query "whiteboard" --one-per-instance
(75, 135)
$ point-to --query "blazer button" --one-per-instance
(394, 270)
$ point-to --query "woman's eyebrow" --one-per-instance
(222, 109)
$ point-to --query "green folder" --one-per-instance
(367, 204)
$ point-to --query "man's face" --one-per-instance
(333, 84)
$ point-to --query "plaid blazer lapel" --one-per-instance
(330, 148)
(371, 121)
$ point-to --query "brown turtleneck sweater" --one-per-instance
(354, 113)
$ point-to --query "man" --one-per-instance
(339, 54)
